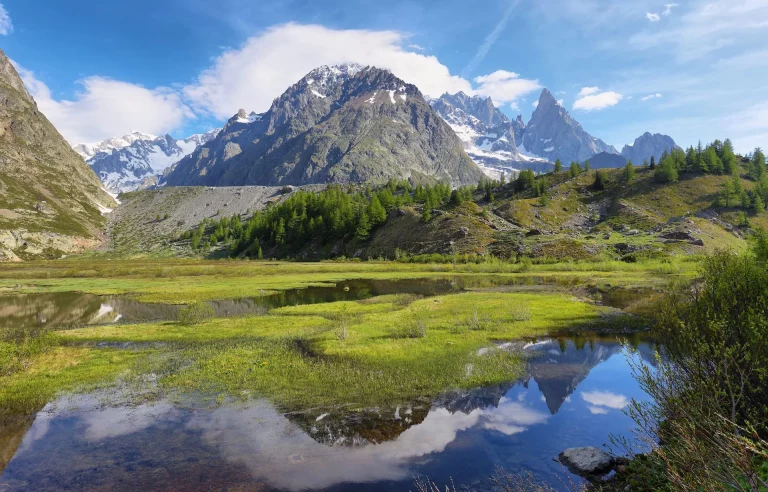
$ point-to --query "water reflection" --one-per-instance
(22, 314)
(573, 395)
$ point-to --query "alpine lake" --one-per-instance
(379, 382)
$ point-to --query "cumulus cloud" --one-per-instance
(651, 96)
(265, 65)
(106, 108)
(605, 399)
(591, 99)
(505, 87)
(652, 17)
(6, 26)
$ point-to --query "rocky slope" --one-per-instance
(136, 160)
(337, 124)
(553, 134)
(489, 137)
(647, 146)
(51, 202)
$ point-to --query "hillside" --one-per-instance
(51, 202)
(336, 125)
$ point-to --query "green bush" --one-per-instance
(195, 314)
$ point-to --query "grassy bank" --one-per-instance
(185, 281)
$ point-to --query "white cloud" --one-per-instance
(591, 99)
(253, 75)
(6, 26)
(505, 87)
(668, 8)
(652, 17)
(605, 399)
(586, 91)
(536, 104)
(651, 96)
(106, 108)
(560, 101)
(514, 106)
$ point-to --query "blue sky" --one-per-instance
(694, 69)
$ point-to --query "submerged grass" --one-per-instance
(294, 357)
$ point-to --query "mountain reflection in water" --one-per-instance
(573, 395)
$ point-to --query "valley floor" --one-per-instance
(370, 352)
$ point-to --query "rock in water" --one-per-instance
(587, 461)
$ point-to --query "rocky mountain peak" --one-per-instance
(336, 124)
(647, 145)
(553, 134)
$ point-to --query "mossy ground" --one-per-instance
(294, 355)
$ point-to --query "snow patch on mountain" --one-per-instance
(137, 159)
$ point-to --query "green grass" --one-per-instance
(293, 357)
(185, 281)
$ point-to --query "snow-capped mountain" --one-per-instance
(553, 134)
(135, 160)
(108, 145)
(337, 124)
(489, 137)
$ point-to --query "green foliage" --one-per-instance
(756, 169)
(324, 216)
(629, 172)
(574, 170)
(666, 172)
(710, 392)
(195, 314)
(587, 167)
(558, 166)
(601, 180)
(526, 180)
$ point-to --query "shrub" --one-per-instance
(195, 313)
(416, 327)
(710, 392)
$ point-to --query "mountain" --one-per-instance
(553, 134)
(605, 160)
(51, 202)
(489, 137)
(647, 145)
(338, 124)
(134, 160)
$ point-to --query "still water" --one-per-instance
(23, 312)
(573, 394)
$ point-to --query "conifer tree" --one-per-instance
(653, 163)
(558, 166)
(363, 230)
(629, 172)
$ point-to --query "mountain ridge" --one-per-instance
(337, 124)
(51, 202)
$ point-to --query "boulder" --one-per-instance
(587, 461)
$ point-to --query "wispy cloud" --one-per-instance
(653, 17)
(6, 26)
(591, 99)
(651, 96)
(668, 8)
(490, 40)
(708, 26)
